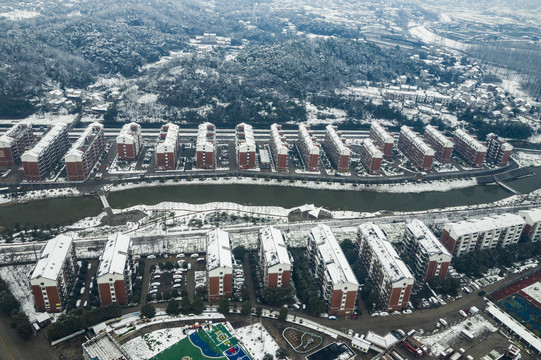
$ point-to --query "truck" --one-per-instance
(419, 344)
(467, 335)
(414, 346)
(474, 310)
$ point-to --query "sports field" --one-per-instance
(524, 311)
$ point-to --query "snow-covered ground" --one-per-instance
(428, 37)
(527, 158)
(17, 277)
(148, 345)
(19, 15)
(257, 340)
(534, 291)
(43, 119)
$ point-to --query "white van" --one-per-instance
(78, 303)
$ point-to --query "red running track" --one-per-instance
(516, 287)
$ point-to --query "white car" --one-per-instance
(196, 255)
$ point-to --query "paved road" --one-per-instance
(12, 347)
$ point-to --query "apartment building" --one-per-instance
(54, 274)
(14, 142)
(278, 147)
(219, 265)
(382, 139)
(274, 258)
(308, 147)
(85, 152)
(469, 148)
(430, 258)
(129, 142)
(387, 272)
(485, 233)
(339, 286)
(245, 146)
(498, 151)
(532, 226)
(415, 149)
(115, 272)
(46, 153)
(371, 157)
(206, 146)
(443, 146)
(167, 147)
(336, 149)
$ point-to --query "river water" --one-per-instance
(63, 211)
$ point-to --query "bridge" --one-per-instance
(505, 186)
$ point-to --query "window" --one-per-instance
(110, 279)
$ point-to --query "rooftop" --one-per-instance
(336, 140)
(245, 133)
(333, 351)
(533, 214)
(114, 257)
(382, 133)
(278, 140)
(169, 136)
(14, 132)
(52, 258)
(104, 347)
(218, 250)
(438, 136)
(369, 146)
(80, 146)
(416, 140)
(273, 245)
(131, 130)
(468, 139)
(45, 141)
(307, 139)
(486, 224)
(206, 137)
(426, 239)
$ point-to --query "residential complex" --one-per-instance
(382, 139)
(336, 149)
(443, 146)
(206, 146)
(469, 148)
(115, 271)
(532, 226)
(129, 142)
(339, 286)
(39, 160)
(371, 157)
(14, 142)
(278, 147)
(85, 152)
(498, 151)
(415, 149)
(54, 274)
(274, 258)
(430, 257)
(308, 148)
(479, 234)
(219, 265)
(391, 278)
(167, 147)
(245, 146)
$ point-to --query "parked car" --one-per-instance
(196, 255)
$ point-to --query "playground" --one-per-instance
(301, 341)
(524, 311)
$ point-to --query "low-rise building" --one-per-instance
(245, 146)
(484, 233)
(14, 142)
(532, 226)
(167, 147)
(336, 149)
(308, 147)
(274, 258)
(430, 257)
(54, 274)
(415, 149)
(382, 139)
(443, 147)
(115, 272)
(206, 146)
(85, 152)
(371, 157)
(387, 272)
(498, 150)
(469, 148)
(129, 142)
(339, 286)
(104, 347)
(279, 148)
(219, 265)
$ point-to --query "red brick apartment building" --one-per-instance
(336, 149)
(279, 148)
(498, 151)
(54, 274)
(308, 148)
(129, 142)
(443, 147)
(469, 148)
(115, 271)
(85, 152)
(206, 146)
(14, 142)
(382, 139)
(167, 147)
(46, 153)
(219, 265)
(245, 146)
(274, 258)
(415, 149)
(387, 272)
(339, 286)
(371, 157)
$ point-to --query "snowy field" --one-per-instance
(17, 277)
(19, 15)
(428, 37)
(256, 340)
(526, 158)
(534, 291)
(148, 345)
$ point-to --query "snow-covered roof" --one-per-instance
(309, 141)
(80, 146)
(264, 156)
(369, 147)
(46, 141)
(470, 141)
(168, 137)
(278, 141)
(273, 246)
(244, 134)
(13, 133)
(114, 257)
(426, 238)
(383, 342)
(52, 258)
(218, 250)
(438, 136)
(387, 256)
(338, 143)
(416, 140)
(531, 216)
(206, 137)
(337, 267)
(129, 131)
(104, 347)
(484, 224)
(382, 133)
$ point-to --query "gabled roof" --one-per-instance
(218, 250)
(273, 245)
(52, 258)
(114, 257)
